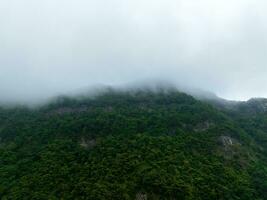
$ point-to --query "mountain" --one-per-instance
(134, 144)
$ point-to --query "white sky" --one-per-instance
(53, 46)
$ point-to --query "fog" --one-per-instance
(50, 47)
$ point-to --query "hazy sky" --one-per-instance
(52, 46)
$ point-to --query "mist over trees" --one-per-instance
(122, 144)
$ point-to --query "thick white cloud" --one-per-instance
(53, 46)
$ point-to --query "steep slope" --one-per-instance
(129, 145)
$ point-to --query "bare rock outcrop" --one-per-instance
(203, 126)
(141, 196)
(231, 150)
(87, 143)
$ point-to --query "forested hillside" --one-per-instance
(133, 145)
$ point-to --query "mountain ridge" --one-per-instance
(146, 144)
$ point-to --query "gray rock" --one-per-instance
(203, 126)
(141, 196)
(87, 143)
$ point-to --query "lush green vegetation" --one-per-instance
(128, 145)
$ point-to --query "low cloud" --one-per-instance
(58, 46)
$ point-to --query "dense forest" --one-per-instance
(134, 145)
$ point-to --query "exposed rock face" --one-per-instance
(87, 143)
(141, 196)
(231, 150)
(226, 141)
(204, 126)
(229, 144)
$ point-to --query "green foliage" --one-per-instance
(165, 145)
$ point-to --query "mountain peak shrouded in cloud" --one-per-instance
(52, 47)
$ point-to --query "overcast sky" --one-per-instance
(53, 46)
